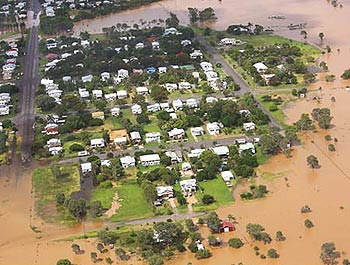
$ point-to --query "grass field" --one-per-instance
(105, 196)
(216, 188)
(133, 203)
(46, 186)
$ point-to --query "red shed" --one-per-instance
(226, 226)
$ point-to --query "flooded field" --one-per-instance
(326, 190)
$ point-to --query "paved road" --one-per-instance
(25, 119)
(228, 69)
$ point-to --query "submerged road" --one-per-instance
(25, 119)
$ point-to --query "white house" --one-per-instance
(128, 161)
(211, 100)
(106, 162)
(86, 167)
(56, 150)
(139, 45)
(136, 109)
(192, 103)
(142, 90)
(227, 176)
(260, 67)
(188, 186)
(120, 140)
(53, 142)
(185, 166)
(164, 193)
(186, 43)
(246, 146)
(177, 104)
(175, 157)
(105, 76)
(150, 160)
(195, 153)
(206, 66)
(162, 69)
(249, 126)
(83, 93)
(121, 94)
(177, 133)
(196, 54)
(122, 73)
(152, 137)
(97, 93)
(222, 151)
(4, 110)
(115, 111)
(135, 137)
(155, 45)
(170, 31)
(86, 78)
(197, 131)
(170, 87)
(184, 85)
(111, 97)
(153, 108)
(214, 128)
(98, 142)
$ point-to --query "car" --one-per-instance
(83, 153)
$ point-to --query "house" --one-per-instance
(164, 193)
(195, 153)
(150, 160)
(4, 110)
(186, 43)
(128, 161)
(105, 76)
(197, 131)
(175, 157)
(226, 226)
(200, 245)
(246, 146)
(222, 151)
(53, 143)
(196, 54)
(83, 93)
(244, 112)
(122, 94)
(153, 137)
(184, 85)
(249, 126)
(98, 115)
(122, 73)
(142, 90)
(164, 106)
(211, 100)
(162, 69)
(97, 143)
(97, 93)
(153, 108)
(135, 137)
(230, 42)
(121, 140)
(170, 31)
(188, 186)
(86, 78)
(115, 111)
(170, 87)
(227, 176)
(110, 97)
(186, 166)
(136, 109)
(151, 70)
(206, 66)
(51, 129)
(192, 103)
(56, 150)
(86, 168)
(214, 128)
(260, 67)
(177, 133)
(139, 45)
(155, 45)
(106, 162)
(177, 104)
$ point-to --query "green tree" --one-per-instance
(203, 254)
(45, 103)
(322, 116)
(207, 199)
(64, 262)
(321, 36)
(308, 223)
(193, 15)
(312, 161)
(280, 236)
(272, 253)
(329, 254)
(155, 260)
(76, 248)
(213, 222)
(346, 74)
(213, 241)
(304, 123)
(235, 242)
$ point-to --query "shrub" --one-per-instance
(76, 147)
(235, 242)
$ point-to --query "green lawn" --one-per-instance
(133, 203)
(116, 124)
(216, 188)
(152, 126)
(277, 114)
(46, 186)
(105, 196)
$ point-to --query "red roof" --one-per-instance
(180, 54)
(51, 56)
(227, 224)
(151, 38)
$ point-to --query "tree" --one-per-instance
(93, 257)
(322, 116)
(150, 191)
(272, 253)
(346, 74)
(331, 147)
(45, 102)
(207, 199)
(303, 33)
(207, 14)
(213, 222)
(193, 15)
(100, 247)
(107, 237)
(213, 241)
(304, 123)
(76, 248)
(321, 36)
(109, 260)
(309, 78)
(203, 254)
(155, 260)
(121, 254)
(329, 255)
(191, 227)
(305, 209)
(143, 119)
(158, 93)
(312, 161)
(60, 198)
(256, 232)
(56, 170)
(172, 21)
(308, 223)
(235, 242)
(63, 262)
(280, 236)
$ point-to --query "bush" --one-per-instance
(208, 199)
(203, 254)
(76, 147)
(272, 253)
(308, 224)
(235, 243)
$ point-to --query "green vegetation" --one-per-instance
(133, 203)
(47, 186)
(216, 188)
(104, 195)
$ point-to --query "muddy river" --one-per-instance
(326, 190)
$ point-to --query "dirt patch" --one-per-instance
(114, 207)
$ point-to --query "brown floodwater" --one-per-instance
(326, 190)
